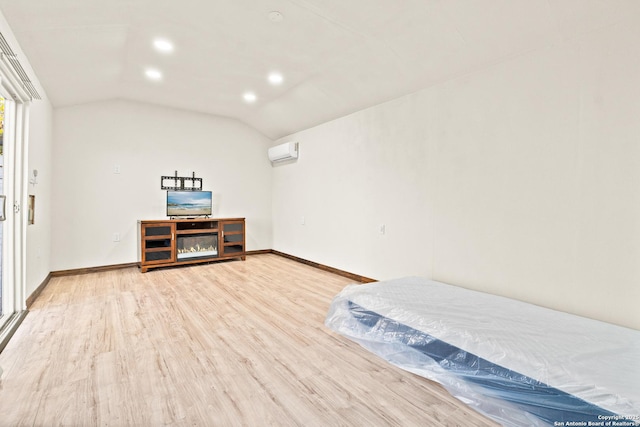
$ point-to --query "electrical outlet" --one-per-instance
(116, 168)
(302, 220)
(116, 237)
(382, 229)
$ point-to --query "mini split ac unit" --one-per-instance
(282, 152)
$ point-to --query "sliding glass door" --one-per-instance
(12, 236)
(7, 288)
(16, 93)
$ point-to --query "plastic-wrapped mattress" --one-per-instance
(519, 364)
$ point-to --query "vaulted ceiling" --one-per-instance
(335, 56)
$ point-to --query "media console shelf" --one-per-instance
(171, 242)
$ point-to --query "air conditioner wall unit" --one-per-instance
(282, 152)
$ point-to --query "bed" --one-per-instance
(517, 363)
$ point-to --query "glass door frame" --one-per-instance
(15, 185)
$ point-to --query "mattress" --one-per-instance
(517, 363)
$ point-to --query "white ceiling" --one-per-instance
(337, 56)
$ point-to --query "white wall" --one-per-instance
(38, 153)
(91, 202)
(38, 245)
(521, 180)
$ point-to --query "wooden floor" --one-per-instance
(233, 343)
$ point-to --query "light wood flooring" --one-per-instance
(225, 344)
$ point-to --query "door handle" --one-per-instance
(3, 204)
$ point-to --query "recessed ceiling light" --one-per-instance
(275, 78)
(163, 45)
(153, 74)
(250, 97)
(275, 16)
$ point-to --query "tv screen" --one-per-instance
(188, 203)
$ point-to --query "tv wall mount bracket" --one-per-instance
(181, 183)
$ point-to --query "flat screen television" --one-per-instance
(188, 203)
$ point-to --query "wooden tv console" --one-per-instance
(171, 242)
